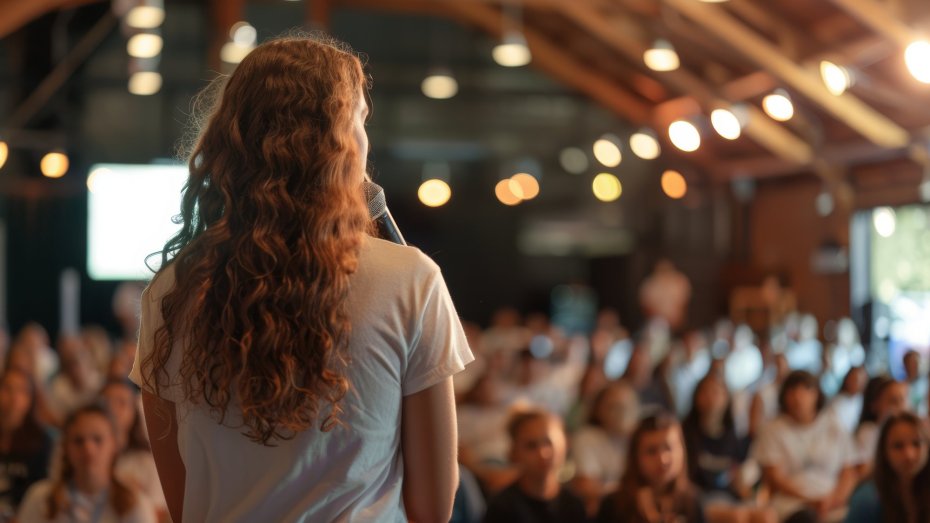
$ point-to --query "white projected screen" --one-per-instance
(129, 211)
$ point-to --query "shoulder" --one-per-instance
(377, 253)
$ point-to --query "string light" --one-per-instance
(674, 184)
(606, 187)
(661, 56)
(434, 192)
(644, 144)
(607, 150)
(684, 135)
(440, 85)
(54, 164)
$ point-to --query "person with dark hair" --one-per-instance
(135, 465)
(655, 486)
(847, 404)
(716, 455)
(25, 445)
(883, 397)
(900, 488)
(806, 456)
(537, 449)
(916, 380)
(293, 367)
(85, 489)
(599, 448)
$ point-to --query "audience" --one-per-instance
(86, 489)
(883, 397)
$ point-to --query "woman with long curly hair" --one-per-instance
(85, 488)
(294, 368)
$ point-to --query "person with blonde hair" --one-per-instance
(293, 367)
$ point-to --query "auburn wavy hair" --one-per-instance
(272, 220)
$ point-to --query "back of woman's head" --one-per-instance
(273, 216)
(873, 390)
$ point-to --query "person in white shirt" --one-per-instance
(294, 368)
(86, 490)
(807, 457)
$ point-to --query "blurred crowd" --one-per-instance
(722, 424)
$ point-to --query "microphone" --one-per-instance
(379, 213)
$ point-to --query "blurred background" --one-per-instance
(548, 154)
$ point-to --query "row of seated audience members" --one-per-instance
(546, 436)
(73, 446)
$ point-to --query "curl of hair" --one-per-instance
(272, 220)
(887, 482)
(121, 497)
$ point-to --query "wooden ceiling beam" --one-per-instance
(845, 108)
(879, 18)
(17, 13)
(773, 137)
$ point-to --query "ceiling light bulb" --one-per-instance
(54, 164)
(434, 192)
(917, 58)
(644, 144)
(145, 16)
(512, 51)
(606, 187)
(661, 57)
(440, 85)
(607, 150)
(836, 78)
(778, 105)
(144, 83)
(726, 123)
(684, 135)
(144, 45)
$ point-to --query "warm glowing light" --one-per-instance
(529, 185)
(674, 184)
(94, 177)
(607, 150)
(885, 221)
(440, 84)
(778, 105)
(504, 192)
(233, 53)
(606, 187)
(145, 16)
(726, 124)
(54, 165)
(4, 153)
(144, 83)
(573, 160)
(836, 78)
(434, 193)
(144, 45)
(661, 57)
(917, 58)
(512, 51)
(644, 144)
(684, 135)
(242, 33)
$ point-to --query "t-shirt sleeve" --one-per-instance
(766, 449)
(438, 348)
(170, 386)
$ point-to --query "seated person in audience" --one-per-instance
(599, 448)
(651, 387)
(655, 487)
(764, 405)
(86, 489)
(900, 488)
(25, 446)
(33, 341)
(883, 398)
(716, 455)
(916, 381)
(78, 382)
(135, 466)
(538, 451)
(481, 417)
(807, 458)
(847, 404)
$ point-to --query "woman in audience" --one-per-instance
(847, 404)
(883, 397)
(900, 489)
(764, 406)
(135, 466)
(806, 456)
(25, 446)
(599, 448)
(86, 489)
(78, 382)
(655, 486)
(716, 455)
(538, 452)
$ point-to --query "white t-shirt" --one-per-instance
(83, 508)
(406, 337)
(812, 456)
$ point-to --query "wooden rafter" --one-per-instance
(760, 128)
(879, 18)
(845, 108)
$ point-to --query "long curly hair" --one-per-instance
(272, 220)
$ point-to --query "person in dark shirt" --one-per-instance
(655, 487)
(538, 451)
(25, 446)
